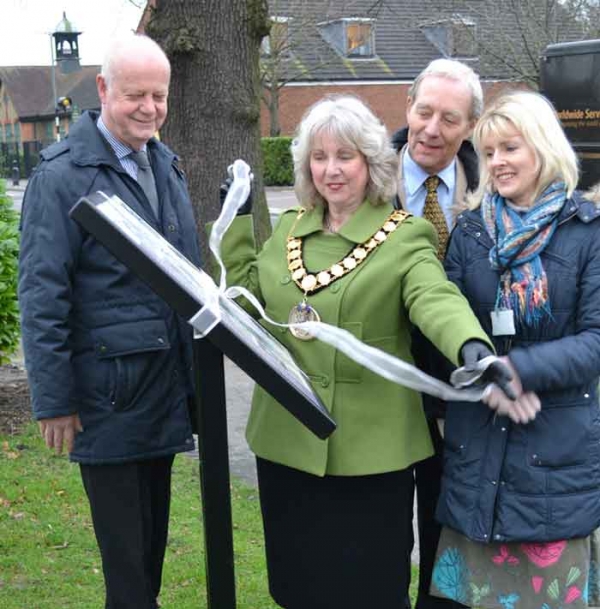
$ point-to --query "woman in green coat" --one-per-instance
(337, 512)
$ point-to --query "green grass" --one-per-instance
(48, 554)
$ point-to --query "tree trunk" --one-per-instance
(274, 126)
(214, 112)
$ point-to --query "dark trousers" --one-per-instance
(428, 477)
(130, 511)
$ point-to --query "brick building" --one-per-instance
(375, 49)
(27, 107)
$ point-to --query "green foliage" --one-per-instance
(277, 161)
(9, 255)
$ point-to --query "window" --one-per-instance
(352, 37)
(49, 130)
(454, 37)
(359, 39)
(277, 42)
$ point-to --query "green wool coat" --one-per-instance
(380, 425)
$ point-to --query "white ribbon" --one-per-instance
(379, 362)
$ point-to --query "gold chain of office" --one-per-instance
(311, 283)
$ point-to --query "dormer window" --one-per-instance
(277, 42)
(455, 37)
(359, 38)
(352, 37)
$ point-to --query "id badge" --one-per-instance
(503, 322)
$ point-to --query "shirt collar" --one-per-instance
(119, 148)
(415, 175)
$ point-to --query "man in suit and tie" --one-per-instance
(438, 167)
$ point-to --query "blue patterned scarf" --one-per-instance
(519, 240)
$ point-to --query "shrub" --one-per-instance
(9, 255)
(277, 161)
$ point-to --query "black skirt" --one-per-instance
(338, 542)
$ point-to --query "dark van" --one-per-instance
(570, 79)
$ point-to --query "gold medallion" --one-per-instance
(299, 314)
(298, 274)
(337, 270)
(324, 278)
(308, 283)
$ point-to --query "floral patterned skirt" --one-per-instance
(512, 575)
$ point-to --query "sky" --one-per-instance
(27, 25)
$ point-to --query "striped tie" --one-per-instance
(433, 212)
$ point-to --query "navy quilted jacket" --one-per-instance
(540, 481)
(97, 340)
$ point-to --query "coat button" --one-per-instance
(586, 395)
(493, 482)
(497, 537)
(325, 382)
(161, 340)
(335, 288)
(286, 279)
(103, 348)
(172, 228)
(503, 429)
(478, 234)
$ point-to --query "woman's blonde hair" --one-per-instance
(534, 117)
(347, 119)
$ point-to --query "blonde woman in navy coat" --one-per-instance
(519, 496)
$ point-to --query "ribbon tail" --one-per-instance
(236, 196)
(388, 366)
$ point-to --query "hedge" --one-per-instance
(9, 255)
(277, 161)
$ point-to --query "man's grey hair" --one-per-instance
(453, 70)
(129, 45)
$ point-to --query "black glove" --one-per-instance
(497, 372)
(245, 208)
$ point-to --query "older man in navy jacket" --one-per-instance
(109, 363)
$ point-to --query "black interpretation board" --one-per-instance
(186, 289)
